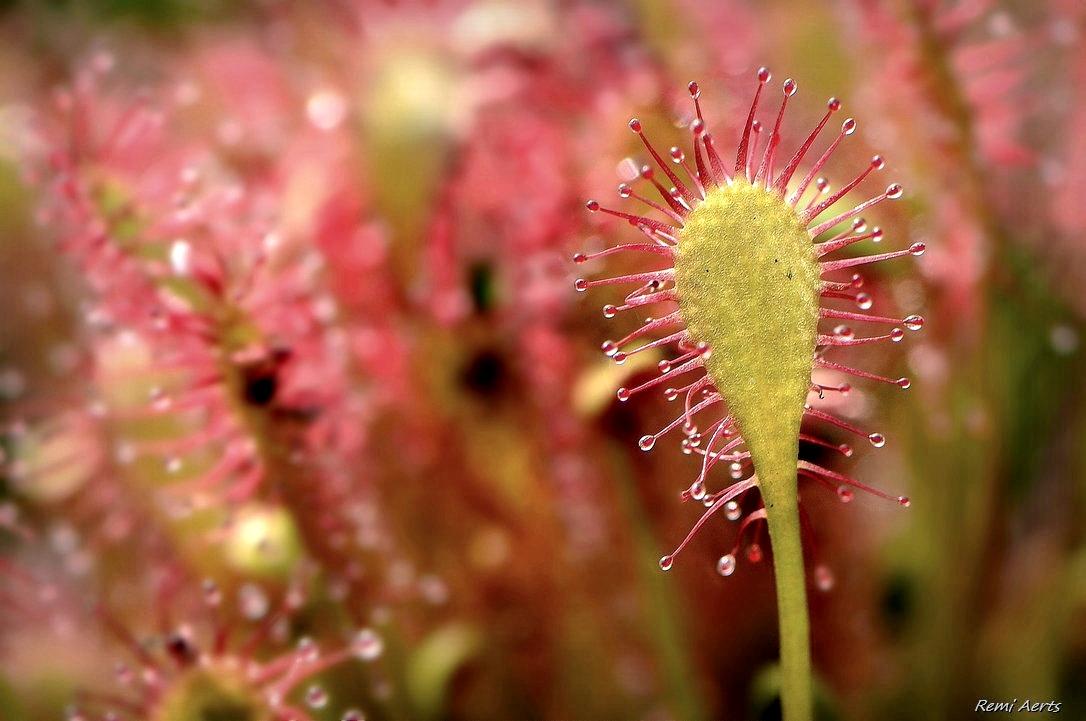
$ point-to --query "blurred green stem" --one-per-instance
(661, 607)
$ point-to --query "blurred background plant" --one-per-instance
(301, 417)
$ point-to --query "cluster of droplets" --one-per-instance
(163, 663)
(811, 199)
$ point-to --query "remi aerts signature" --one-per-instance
(1027, 706)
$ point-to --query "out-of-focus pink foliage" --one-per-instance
(289, 327)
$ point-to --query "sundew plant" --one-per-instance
(743, 247)
(303, 409)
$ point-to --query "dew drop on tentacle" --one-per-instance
(896, 335)
(877, 439)
(123, 673)
(647, 442)
(253, 602)
(903, 383)
(181, 258)
(316, 697)
(725, 565)
(367, 645)
(212, 593)
(845, 494)
(581, 285)
(160, 400)
(732, 511)
(163, 402)
(666, 562)
(917, 249)
(623, 394)
(913, 322)
(306, 650)
(864, 301)
(823, 578)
